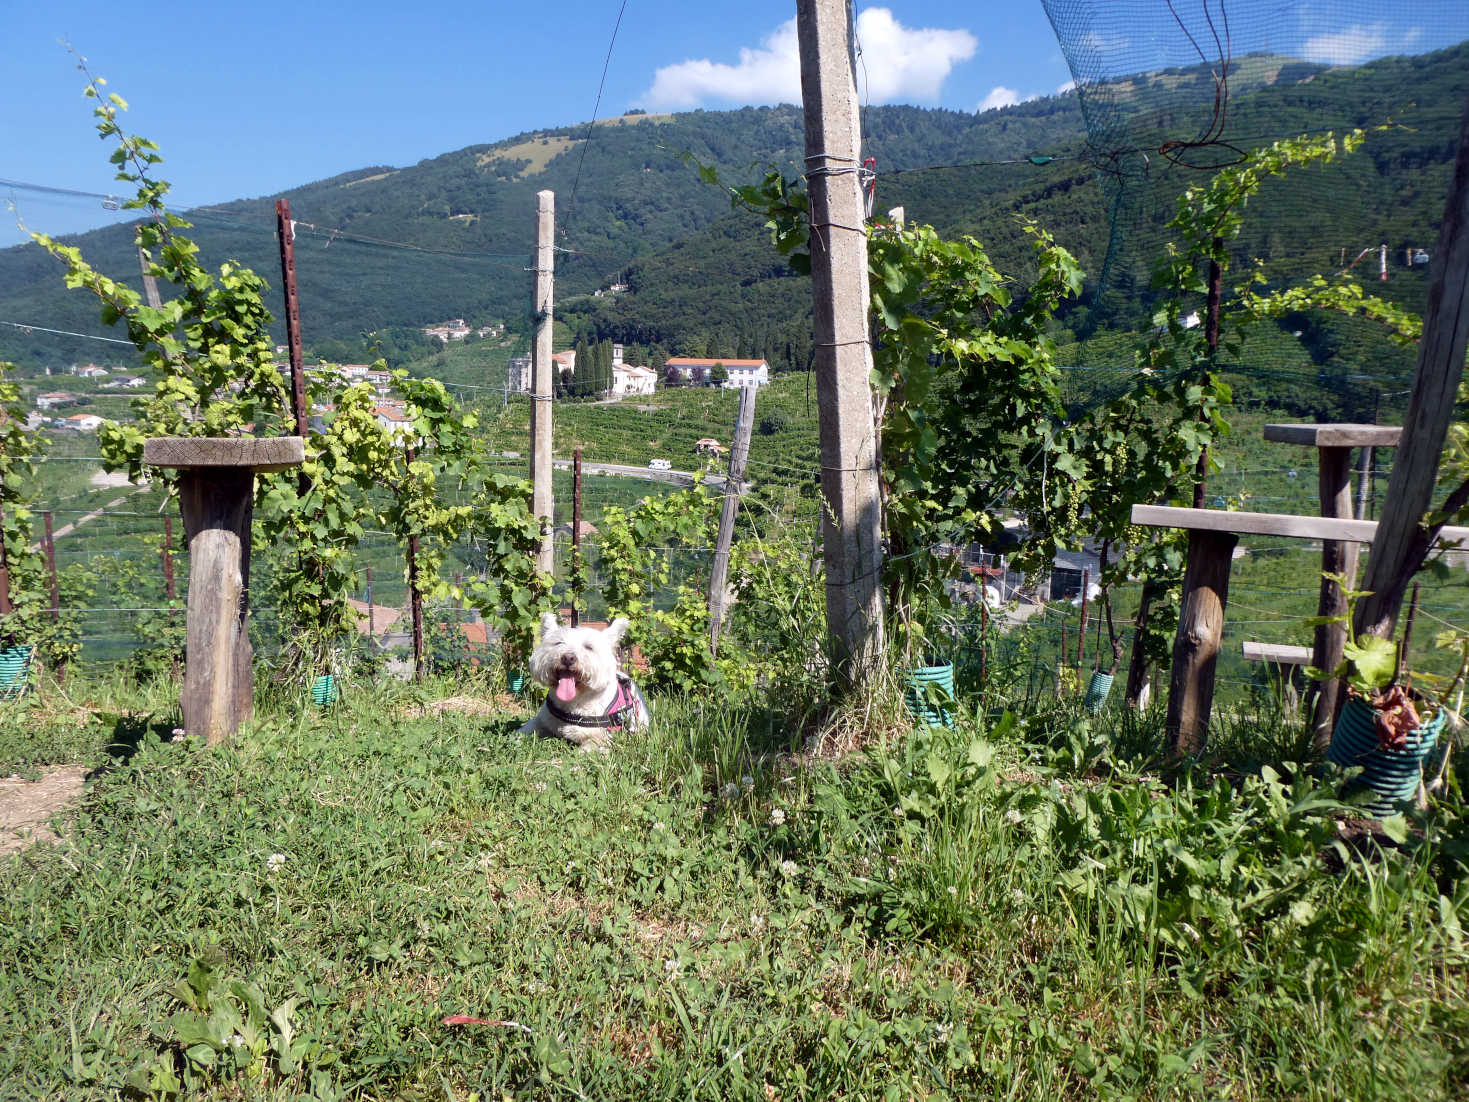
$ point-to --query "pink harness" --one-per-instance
(627, 699)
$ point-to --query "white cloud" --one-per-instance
(1411, 36)
(896, 62)
(1069, 86)
(1349, 47)
(999, 96)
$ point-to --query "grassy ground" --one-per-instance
(1011, 909)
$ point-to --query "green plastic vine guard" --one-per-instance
(1391, 775)
(15, 666)
(926, 687)
(324, 691)
(1097, 691)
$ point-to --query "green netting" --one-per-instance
(1173, 90)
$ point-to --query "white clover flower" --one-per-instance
(486, 861)
(660, 826)
(757, 921)
(953, 890)
(673, 966)
(941, 1031)
(730, 791)
(179, 732)
(777, 817)
(897, 812)
(789, 868)
(1013, 817)
(1018, 895)
(274, 862)
(747, 782)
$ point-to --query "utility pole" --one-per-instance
(540, 402)
(851, 518)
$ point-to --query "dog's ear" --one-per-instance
(549, 623)
(614, 631)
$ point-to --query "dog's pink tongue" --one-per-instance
(566, 688)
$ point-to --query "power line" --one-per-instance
(25, 328)
(596, 106)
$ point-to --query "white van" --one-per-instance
(660, 464)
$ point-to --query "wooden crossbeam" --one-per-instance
(1335, 436)
(1282, 654)
(1287, 525)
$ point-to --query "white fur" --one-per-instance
(589, 656)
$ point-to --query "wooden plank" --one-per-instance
(1282, 654)
(255, 453)
(1286, 525)
(1196, 646)
(1335, 436)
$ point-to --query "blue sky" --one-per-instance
(247, 100)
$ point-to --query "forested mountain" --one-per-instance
(385, 250)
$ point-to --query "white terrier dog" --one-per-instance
(589, 698)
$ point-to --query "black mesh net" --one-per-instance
(1172, 90)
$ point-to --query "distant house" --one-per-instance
(392, 418)
(90, 371)
(563, 531)
(382, 381)
(709, 446)
(55, 399)
(125, 382)
(82, 422)
(564, 361)
(452, 330)
(632, 379)
(741, 372)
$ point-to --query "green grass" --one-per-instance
(1010, 910)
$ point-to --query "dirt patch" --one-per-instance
(470, 706)
(26, 806)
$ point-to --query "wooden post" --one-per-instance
(733, 487)
(1402, 542)
(542, 503)
(1137, 664)
(1086, 581)
(5, 606)
(1196, 647)
(415, 601)
(1337, 557)
(1211, 341)
(371, 627)
(851, 518)
(286, 231)
(150, 284)
(1364, 479)
(575, 530)
(55, 588)
(216, 491)
(166, 552)
(984, 637)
